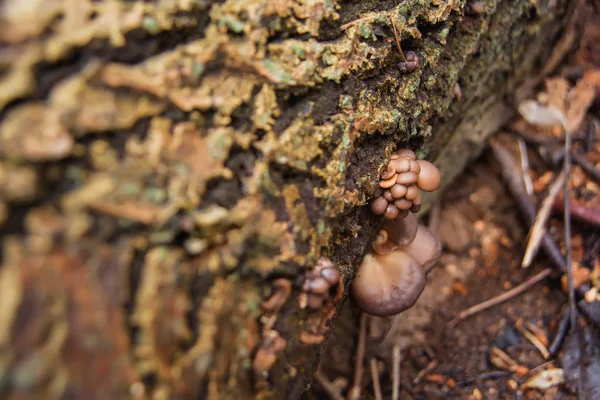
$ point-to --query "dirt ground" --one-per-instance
(493, 353)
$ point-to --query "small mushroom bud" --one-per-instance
(398, 191)
(429, 178)
(415, 167)
(315, 301)
(388, 196)
(378, 205)
(406, 153)
(391, 212)
(400, 165)
(475, 7)
(332, 275)
(387, 284)
(403, 204)
(416, 207)
(407, 178)
(388, 183)
(411, 192)
(318, 285)
(410, 64)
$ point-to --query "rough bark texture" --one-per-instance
(162, 163)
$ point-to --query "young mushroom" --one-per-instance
(392, 277)
(411, 62)
(401, 181)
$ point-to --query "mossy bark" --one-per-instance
(161, 163)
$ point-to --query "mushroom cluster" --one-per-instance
(401, 182)
(318, 284)
(391, 278)
(410, 63)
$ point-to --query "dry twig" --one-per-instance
(585, 215)
(567, 221)
(587, 166)
(517, 290)
(512, 177)
(538, 229)
(397, 38)
(525, 167)
(428, 368)
(531, 337)
(561, 333)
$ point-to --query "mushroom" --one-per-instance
(387, 284)
(429, 177)
(425, 248)
(401, 181)
(410, 63)
(391, 278)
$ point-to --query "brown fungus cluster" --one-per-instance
(410, 63)
(391, 278)
(318, 283)
(401, 182)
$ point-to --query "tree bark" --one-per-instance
(167, 167)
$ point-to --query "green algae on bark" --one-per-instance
(162, 162)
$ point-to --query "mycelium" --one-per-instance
(392, 276)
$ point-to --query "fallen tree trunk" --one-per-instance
(167, 167)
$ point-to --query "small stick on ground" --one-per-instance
(567, 220)
(512, 176)
(397, 358)
(517, 290)
(332, 390)
(425, 371)
(375, 377)
(525, 167)
(538, 229)
(397, 38)
(531, 337)
(561, 333)
(588, 167)
(585, 215)
(483, 377)
(354, 393)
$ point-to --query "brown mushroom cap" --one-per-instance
(425, 248)
(391, 212)
(429, 177)
(378, 205)
(406, 153)
(387, 284)
(406, 178)
(398, 191)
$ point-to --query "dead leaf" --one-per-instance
(578, 101)
(545, 379)
(540, 115)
